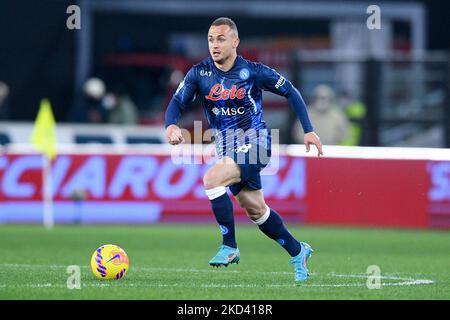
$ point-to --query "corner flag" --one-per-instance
(44, 139)
(44, 135)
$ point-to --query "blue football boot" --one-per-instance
(225, 256)
(299, 262)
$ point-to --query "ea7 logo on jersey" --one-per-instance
(280, 82)
(205, 73)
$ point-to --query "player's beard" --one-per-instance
(223, 60)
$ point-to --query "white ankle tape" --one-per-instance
(215, 192)
(264, 217)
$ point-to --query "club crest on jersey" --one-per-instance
(219, 92)
(244, 74)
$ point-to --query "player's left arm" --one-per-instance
(272, 81)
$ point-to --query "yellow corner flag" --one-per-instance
(44, 133)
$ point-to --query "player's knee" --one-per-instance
(211, 180)
(255, 212)
(242, 202)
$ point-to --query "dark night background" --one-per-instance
(37, 50)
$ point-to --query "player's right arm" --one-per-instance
(184, 95)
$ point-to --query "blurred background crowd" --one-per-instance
(386, 87)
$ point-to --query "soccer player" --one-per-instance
(231, 90)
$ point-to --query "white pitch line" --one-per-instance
(151, 269)
(40, 285)
(412, 282)
(45, 266)
(224, 286)
(403, 281)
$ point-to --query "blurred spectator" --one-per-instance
(328, 120)
(94, 91)
(4, 101)
(356, 112)
(121, 109)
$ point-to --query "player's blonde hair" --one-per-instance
(226, 21)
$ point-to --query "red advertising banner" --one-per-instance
(140, 188)
(368, 192)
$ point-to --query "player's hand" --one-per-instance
(173, 135)
(312, 138)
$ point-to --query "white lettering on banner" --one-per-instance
(144, 175)
(19, 166)
(295, 181)
(163, 186)
(199, 190)
(59, 172)
(91, 177)
(440, 181)
(271, 183)
(12, 187)
(3, 162)
(135, 172)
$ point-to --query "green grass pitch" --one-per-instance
(171, 262)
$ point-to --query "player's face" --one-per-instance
(222, 43)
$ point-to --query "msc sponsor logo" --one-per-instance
(228, 111)
(219, 92)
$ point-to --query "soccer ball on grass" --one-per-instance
(109, 262)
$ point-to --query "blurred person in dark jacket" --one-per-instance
(94, 91)
(121, 109)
